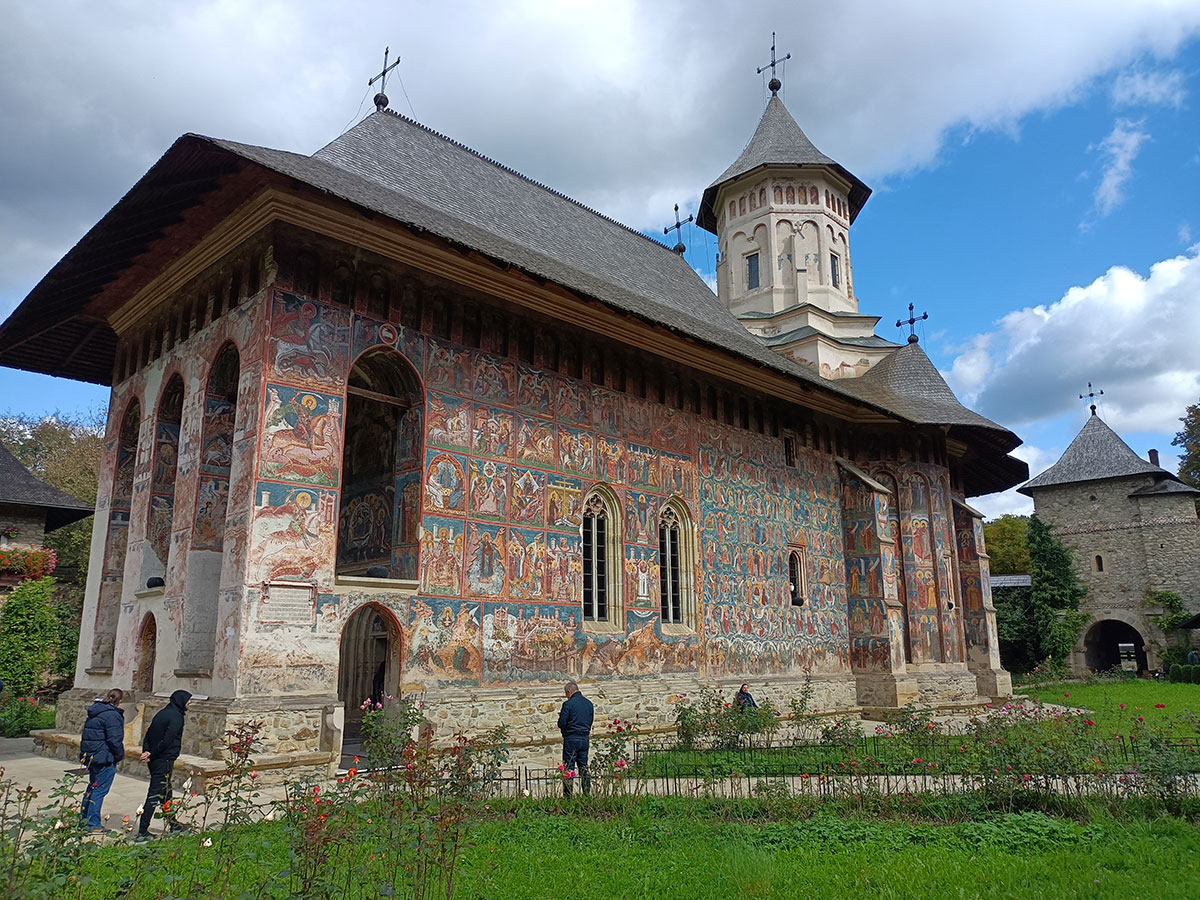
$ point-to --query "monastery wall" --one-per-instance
(30, 523)
(242, 502)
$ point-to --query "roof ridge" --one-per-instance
(510, 170)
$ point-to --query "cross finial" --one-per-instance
(911, 322)
(678, 227)
(1091, 396)
(381, 99)
(774, 84)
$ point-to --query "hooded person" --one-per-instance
(160, 749)
(101, 747)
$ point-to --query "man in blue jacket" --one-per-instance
(101, 747)
(160, 749)
(575, 723)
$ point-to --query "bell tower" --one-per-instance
(782, 215)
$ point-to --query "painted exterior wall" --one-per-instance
(490, 467)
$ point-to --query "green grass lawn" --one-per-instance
(1141, 697)
(659, 850)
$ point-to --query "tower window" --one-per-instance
(751, 271)
(1099, 563)
(835, 273)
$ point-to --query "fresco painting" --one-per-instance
(641, 577)
(488, 489)
(447, 421)
(535, 392)
(442, 545)
(486, 562)
(443, 640)
(641, 517)
(309, 342)
(493, 432)
(576, 450)
(528, 496)
(535, 442)
(445, 482)
(495, 379)
(564, 502)
(526, 567)
(301, 439)
(212, 500)
(294, 533)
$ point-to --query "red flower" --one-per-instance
(1160, 706)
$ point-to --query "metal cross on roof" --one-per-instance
(774, 84)
(1091, 396)
(678, 227)
(911, 322)
(381, 99)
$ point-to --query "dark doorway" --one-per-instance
(369, 668)
(147, 648)
(1102, 645)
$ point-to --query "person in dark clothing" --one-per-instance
(101, 747)
(160, 749)
(575, 723)
(743, 699)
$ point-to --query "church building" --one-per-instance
(1133, 531)
(393, 418)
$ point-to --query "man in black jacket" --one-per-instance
(575, 723)
(160, 749)
(101, 747)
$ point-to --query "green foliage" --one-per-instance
(21, 715)
(1044, 622)
(28, 635)
(1007, 546)
(63, 451)
(1188, 438)
(1172, 613)
(709, 719)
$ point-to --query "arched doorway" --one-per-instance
(368, 665)
(1101, 645)
(147, 647)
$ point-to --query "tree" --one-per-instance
(1006, 545)
(28, 635)
(1189, 439)
(63, 451)
(1042, 621)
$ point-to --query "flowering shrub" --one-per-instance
(27, 563)
(21, 715)
(713, 720)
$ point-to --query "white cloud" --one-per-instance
(1185, 233)
(1133, 336)
(1118, 152)
(1010, 502)
(1137, 87)
(628, 106)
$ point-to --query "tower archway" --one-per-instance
(1102, 645)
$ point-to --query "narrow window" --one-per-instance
(595, 561)
(1099, 563)
(835, 275)
(751, 271)
(796, 586)
(789, 451)
(669, 570)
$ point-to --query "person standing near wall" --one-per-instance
(101, 747)
(160, 749)
(575, 723)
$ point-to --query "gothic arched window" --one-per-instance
(797, 582)
(602, 562)
(676, 573)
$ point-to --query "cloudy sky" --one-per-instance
(1036, 165)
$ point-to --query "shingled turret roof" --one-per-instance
(1096, 453)
(19, 487)
(778, 141)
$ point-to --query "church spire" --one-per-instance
(774, 84)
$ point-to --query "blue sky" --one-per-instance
(1036, 167)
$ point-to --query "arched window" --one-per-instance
(797, 576)
(381, 468)
(676, 561)
(1099, 563)
(162, 478)
(198, 643)
(602, 559)
(112, 578)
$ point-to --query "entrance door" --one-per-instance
(369, 669)
(143, 676)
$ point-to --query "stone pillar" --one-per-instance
(978, 614)
(874, 616)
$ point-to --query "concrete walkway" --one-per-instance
(22, 766)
